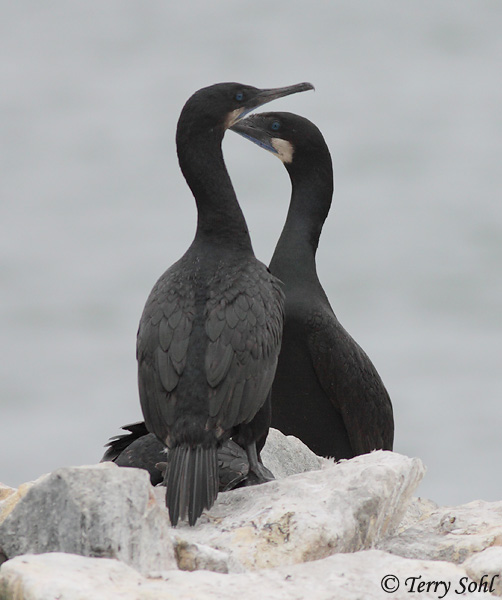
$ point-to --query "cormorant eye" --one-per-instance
(239, 96)
(276, 126)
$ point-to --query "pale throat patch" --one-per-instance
(284, 149)
(233, 117)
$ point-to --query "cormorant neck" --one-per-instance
(312, 191)
(220, 220)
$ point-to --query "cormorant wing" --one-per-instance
(352, 383)
(244, 326)
(118, 443)
(162, 345)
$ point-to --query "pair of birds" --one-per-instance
(212, 374)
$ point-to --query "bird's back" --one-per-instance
(207, 345)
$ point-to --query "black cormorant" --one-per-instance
(210, 333)
(138, 448)
(141, 449)
(326, 390)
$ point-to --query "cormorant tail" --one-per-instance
(192, 482)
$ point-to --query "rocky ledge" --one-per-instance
(322, 530)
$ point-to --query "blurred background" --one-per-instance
(93, 207)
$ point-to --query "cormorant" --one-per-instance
(210, 333)
(326, 390)
(138, 448)
(141, 449)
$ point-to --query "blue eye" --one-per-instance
(276, 125)
(239, 96)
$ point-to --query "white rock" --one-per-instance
(68, 577)
(339, 577)
(6, 491)
(486, 566)
(98, 510)
(9, 497)
(418, 510)
(194, 557)
(287, 455)
(344, 508)
(450, 533)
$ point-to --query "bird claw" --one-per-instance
(259, 474)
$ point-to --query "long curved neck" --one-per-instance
(311, 194)
(220, 220)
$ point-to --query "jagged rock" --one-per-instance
(418, 510)
(286, 455)
(344, 508)
(338, 577)
(7, 500)
(307, 518)
(194, 557)
(486, 566)
(6, 491)
(57, 575)
(98, 510)
(450, 533)
(9, 497)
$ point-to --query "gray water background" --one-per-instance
(93, 207)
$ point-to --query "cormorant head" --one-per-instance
(302, 149)
(220, 106)
(293, 139)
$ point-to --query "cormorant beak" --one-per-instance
(263, 96)
(254, 133)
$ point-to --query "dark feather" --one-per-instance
(353, 385)
(165, 334)
(214, 327)
(166, 371)
(218, 360)
(118, 443)
(192, 482)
